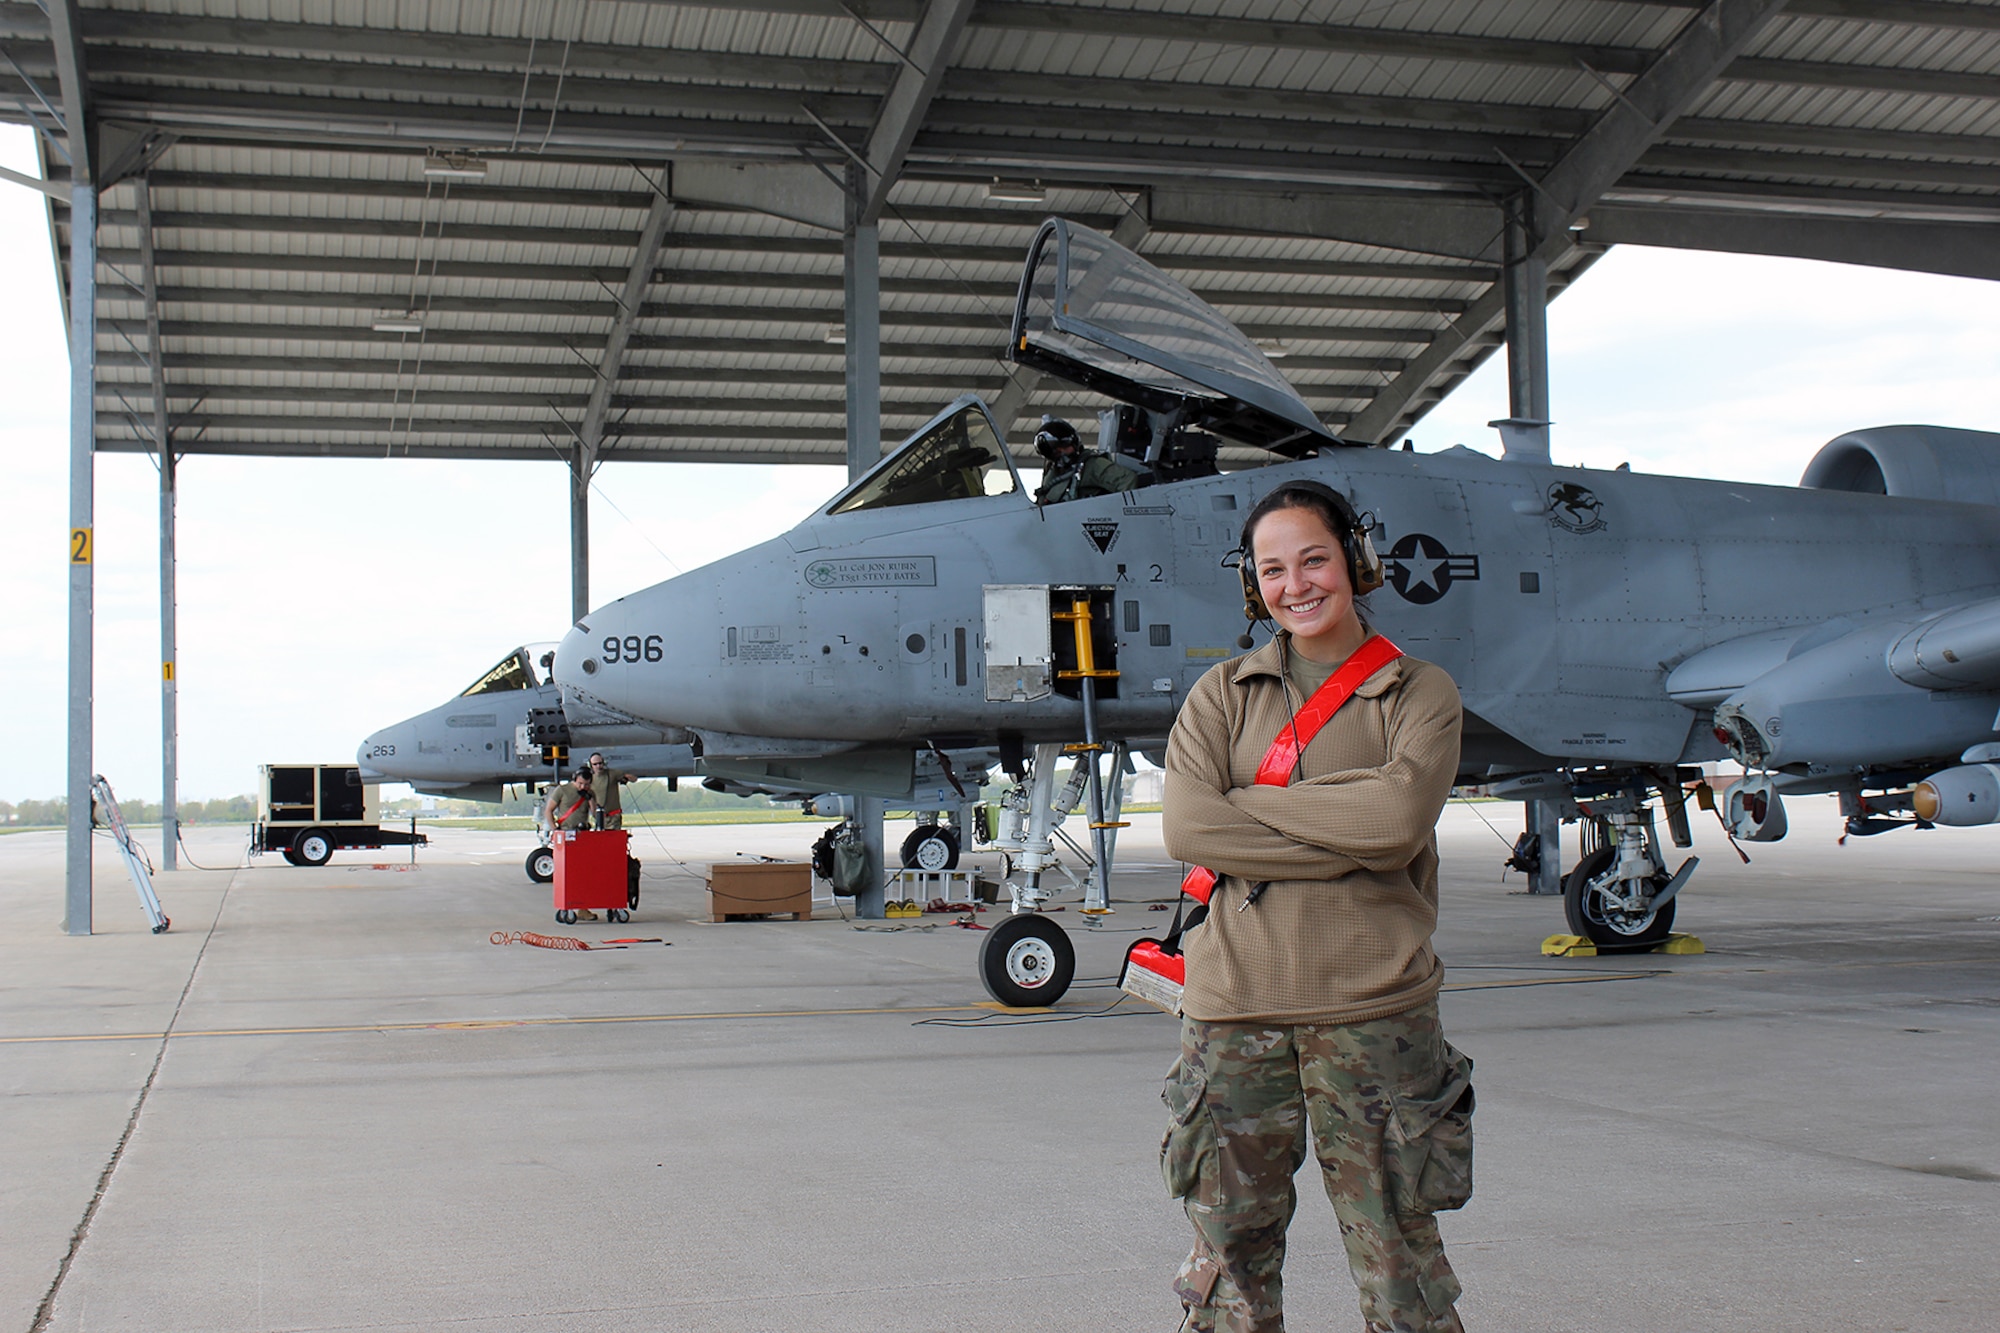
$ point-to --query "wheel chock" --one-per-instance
(1679, 943)
(1568, 946)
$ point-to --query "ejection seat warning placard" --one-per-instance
(913, 571)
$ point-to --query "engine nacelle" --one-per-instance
(1916, 462)
(1961, 797)
(1753, 811)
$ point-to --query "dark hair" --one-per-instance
(1332, 508)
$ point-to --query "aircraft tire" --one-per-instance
(1026, 961)
(313, 847)
(930, 847)
(1611, 932)
(542, 864)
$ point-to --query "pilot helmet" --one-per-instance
(1057, 438)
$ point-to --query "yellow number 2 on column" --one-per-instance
(79, 546)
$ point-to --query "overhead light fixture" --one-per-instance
(837, 334)
(1276, 349)
(399, 324)
(1581, 224)
(1016, 192)
(455, 166)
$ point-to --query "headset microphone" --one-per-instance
(1245, 642)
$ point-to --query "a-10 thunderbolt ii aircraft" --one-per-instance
(1605, 628)
(508, 727)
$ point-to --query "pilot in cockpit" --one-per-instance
(1073, 472)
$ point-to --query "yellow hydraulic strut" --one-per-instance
(1087, 674)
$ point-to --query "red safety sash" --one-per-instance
(564, 816)
(1282, 759)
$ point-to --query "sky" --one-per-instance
(321, 599)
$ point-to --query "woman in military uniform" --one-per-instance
(1310, 1010)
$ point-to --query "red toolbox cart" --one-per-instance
(595, 870)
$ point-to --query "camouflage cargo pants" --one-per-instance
(1388, 1107)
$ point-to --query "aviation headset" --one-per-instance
(1364, 567)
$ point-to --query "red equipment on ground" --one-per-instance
(595, 870)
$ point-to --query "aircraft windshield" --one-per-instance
(510, 673)
(1096, 314)
(957, 458)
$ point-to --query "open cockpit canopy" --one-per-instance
(1091, 312)
(522, 669)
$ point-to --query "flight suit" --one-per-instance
(1095, 475)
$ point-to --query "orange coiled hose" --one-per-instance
(539, 941)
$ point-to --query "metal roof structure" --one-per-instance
(494, 230)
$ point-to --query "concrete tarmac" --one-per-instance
(326, 1101)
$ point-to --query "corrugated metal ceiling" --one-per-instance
(1331, 175)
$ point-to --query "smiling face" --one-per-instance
(1302, 575)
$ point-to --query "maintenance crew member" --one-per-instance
(1073, 472)
(569, 808)
(604, 785)
(1311, 997)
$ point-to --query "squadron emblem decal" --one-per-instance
(1101, 533)
(1575, 508)
(1421, 570)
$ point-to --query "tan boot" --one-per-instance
(585, 914)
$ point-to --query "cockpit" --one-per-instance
(1189, 385)
(958, 456)
(523, 669)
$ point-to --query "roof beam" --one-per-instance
(134, 31)
(1461, 229)
(972, 321)
(156, 372)
(73, 79)
(1613, 146)
(922, 72)
(1960, 249)
(128, 71)
(631, 301)
(604, 275)
(1646, 109)
(265, 335)
(763, 447)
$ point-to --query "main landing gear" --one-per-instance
(1620, 896)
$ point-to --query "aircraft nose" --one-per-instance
(386, 755)
(639, 659)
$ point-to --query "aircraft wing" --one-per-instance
(1091, 312)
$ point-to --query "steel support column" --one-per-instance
(863, 312)
(170, 818)
(163, 441)
(1525, 280)
(82, 494)
(579, 532)
(862, 271)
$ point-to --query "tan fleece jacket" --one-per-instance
(1343, 933)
